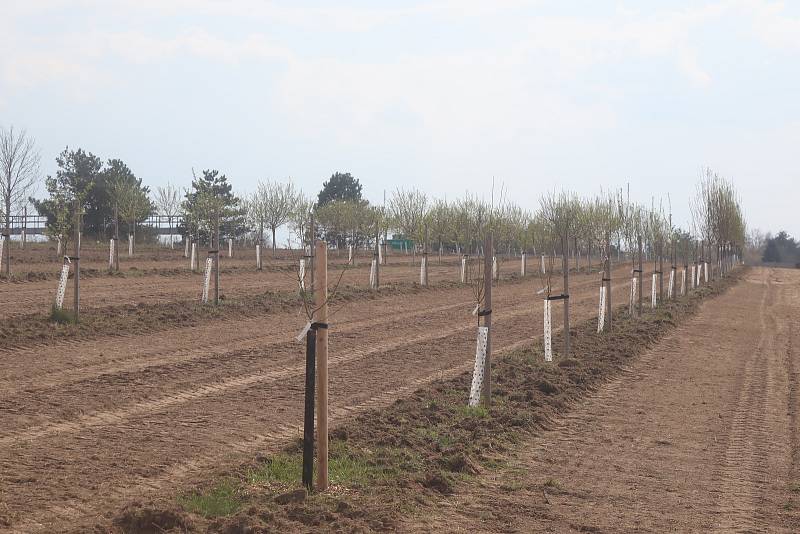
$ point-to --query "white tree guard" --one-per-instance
(523, 266)
(683, 282)
(372, 271)
(62, 285)
(694, 277)
(58, 246)
(548, 333)
(705, 271)
(699, 275)
(350, 254)
(671, 285)
(632, 302)
(494, 267)
(258, 256)
(111, 253)
(463, 270)
(654, 292)
(601, 312)
(186, 248)
(206, 279)
(302, 274)
(193, 258)
(130, 245)
(480, 362)
(544, 270)
(380, 254)
(230, 248)
(2, 242)
(423, 272)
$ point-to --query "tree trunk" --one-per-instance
(273, 240)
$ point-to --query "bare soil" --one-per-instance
(86, 425)
(700, 434)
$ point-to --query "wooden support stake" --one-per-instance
(321, 316)
(216, 261)
(77, 260)
(488, 258)
(639, 283)
(565, 264)
(609, 321)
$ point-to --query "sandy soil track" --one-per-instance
(127, 416)
(701, 435)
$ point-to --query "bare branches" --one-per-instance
(19, 169)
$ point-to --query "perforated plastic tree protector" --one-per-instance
(206, 279)
(110, 253)
(601, 312)
(653, 292)
(633, 295)
(302, 274)
(463, 270)
(480, 361)
(62, 285)
(548, 333)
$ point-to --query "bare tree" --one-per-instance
(19, 171)
(168, 203)
(278, 202)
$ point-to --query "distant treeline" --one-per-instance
(781, 249)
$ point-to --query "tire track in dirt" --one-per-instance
(757, 436)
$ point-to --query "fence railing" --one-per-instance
(36, 224)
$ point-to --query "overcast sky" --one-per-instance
(440, 95)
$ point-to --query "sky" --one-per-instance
(444, 96)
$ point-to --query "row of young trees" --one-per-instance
(114, 199)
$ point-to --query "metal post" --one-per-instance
(308, 420)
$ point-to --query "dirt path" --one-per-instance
(87, 426)
(700, 435)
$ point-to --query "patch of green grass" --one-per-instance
(794, 487)
(479, 412)
(551, 483)
(61, 316)
(221, 500)
(433, 435)
(344, 468)
(788, 506)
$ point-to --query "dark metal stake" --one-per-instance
(308, 426)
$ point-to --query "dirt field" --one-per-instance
(700, 435)
(87, 425)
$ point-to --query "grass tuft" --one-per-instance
(61, 316)
(221, 500)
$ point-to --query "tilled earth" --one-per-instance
(700, 434)
(87, 425)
